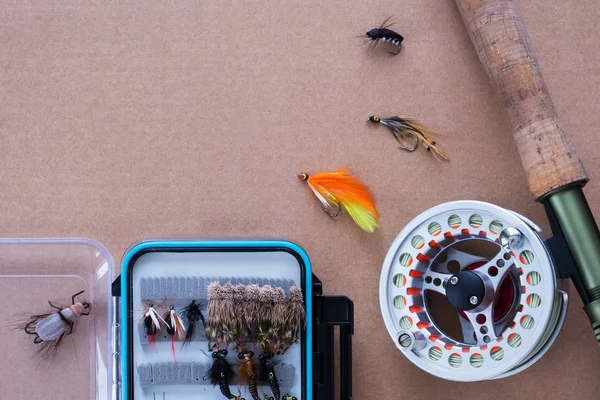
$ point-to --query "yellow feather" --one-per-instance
(361, 216)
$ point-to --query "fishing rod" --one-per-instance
(554, 171)
(469, 290)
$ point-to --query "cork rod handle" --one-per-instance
(504, 49)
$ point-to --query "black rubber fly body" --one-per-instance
(386, 35)
(221, 373)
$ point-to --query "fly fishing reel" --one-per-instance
(469, 292)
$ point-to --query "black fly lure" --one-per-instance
(387, 35)
(265, 371)
(221, 373)
(192, 313)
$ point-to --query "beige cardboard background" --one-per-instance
(121, 120)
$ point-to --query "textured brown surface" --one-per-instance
(122, 120)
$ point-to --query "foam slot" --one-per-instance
(195, 287)
(196, 373)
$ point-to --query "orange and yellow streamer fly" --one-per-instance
(339, 190)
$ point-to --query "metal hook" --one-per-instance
(398, 134)
(406, 148)
(410, 149)
(339, 211)
(399, 50)
(239, 396)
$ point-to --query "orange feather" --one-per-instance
(339, 190)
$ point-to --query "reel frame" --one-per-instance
(411, 268)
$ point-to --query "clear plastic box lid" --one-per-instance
(32, 273)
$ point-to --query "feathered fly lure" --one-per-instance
(251, 307)
(265, 372)
(152, 322)
(50, 329)
(228, 312)
(221, 373)
(278, 319)
(227, 332)
(221, 314)
(192, 314)
(174, 327)
(339, 190)
(295, 319)
(264, 315)
(410, 134)
(214, 309)
(386, 35)
(247, 372)
(278, 307)
(239, 325)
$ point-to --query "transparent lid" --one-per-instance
(34, 272)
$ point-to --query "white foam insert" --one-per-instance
(276, 264)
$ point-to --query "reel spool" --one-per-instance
(469, 292)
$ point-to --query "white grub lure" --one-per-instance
(175, 327)
(410, 134)
(50, 329)
(386, 35)
(152, 322)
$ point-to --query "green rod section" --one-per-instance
(583, 239)
(581, 233)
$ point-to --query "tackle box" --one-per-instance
(109, 355)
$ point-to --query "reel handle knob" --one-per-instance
(409, 341)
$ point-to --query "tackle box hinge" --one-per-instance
(116, 287)
(116, 339)
(329, 312)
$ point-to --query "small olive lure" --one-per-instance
(289, 397)
(50, 329)
(410, 134)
